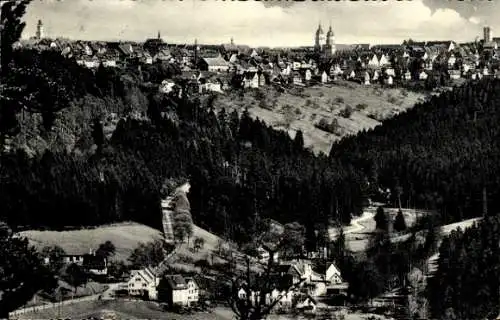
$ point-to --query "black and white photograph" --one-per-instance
(250, 160)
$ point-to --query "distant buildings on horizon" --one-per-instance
(323, 44)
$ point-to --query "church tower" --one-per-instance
(330, 42)
(319, 40)
(39, 30)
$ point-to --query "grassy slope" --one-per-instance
(357, 241)
(315, 103)
(125, 237)
(121, 310)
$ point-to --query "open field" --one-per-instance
(370, 105)
(358, 233)
(125, 236)
(117, 309)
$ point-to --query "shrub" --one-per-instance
(332, 127)
(339, 100)
(392, 99)
(346, 112)
(361, 106)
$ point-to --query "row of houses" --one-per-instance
(91, 263)
(296, 285)
(178, 290)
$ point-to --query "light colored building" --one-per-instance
(181, 291)
(333, 274)
(143, 283)
(217, 64)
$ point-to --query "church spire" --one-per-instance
(159, 36)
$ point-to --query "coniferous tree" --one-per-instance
(381, 219)
(399, 222)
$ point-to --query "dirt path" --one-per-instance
(354, 227)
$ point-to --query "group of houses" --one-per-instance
(178, 290)
(215, 68)
(90, 263)
(297, 286)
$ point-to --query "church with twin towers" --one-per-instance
(324, 44)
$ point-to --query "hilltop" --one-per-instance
(303, 108)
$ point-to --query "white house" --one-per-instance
(389, 81)
(167, 86)
(367, 78)
(374, 62)
(193, 294)
(351, 74)
(251, 80)
(422, 75)
(333, 274)
(217, 64)
(143, 283)
(390, 72)
(181, 291)
(383, 61)
(297, 78)
(324, 77)
(451, 60)
(109, 62)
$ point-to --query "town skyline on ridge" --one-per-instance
(256, 23)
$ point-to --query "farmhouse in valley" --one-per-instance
(143, 283)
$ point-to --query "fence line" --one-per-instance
(51, 305)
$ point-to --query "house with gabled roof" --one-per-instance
(216, 64)
(306, 304)
(180, 291)
(163, 55)
(143, 283)
(126, 50)
(251, 80)
(373, 61)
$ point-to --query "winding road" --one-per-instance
(355, 226)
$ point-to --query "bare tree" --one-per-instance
(258, 285)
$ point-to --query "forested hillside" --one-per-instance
(467, 283)
(241, 170)
(443, 154)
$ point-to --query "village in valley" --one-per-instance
(189, 271)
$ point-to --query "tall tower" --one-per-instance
(330, 42)
(319, 40)
(39, 30)
(232, 41)
(196, 50)
(487, 34)
(159, 36)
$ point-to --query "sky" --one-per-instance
(263, 23)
